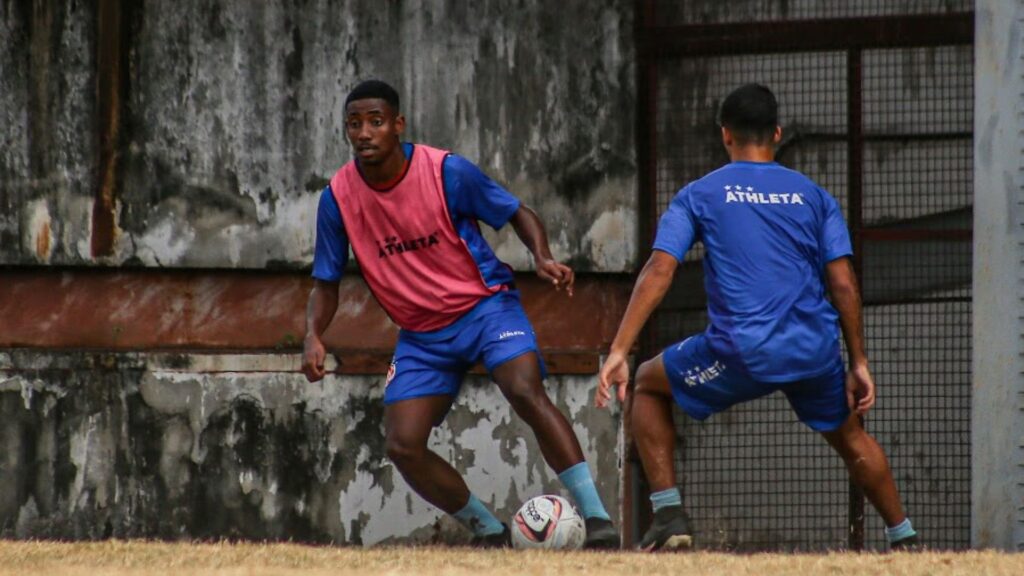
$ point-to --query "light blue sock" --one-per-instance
(665, 498)
(580, 483)
(475, 516)
(900, 531)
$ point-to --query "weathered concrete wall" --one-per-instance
(48, 141)
(228, 124)
(193, 446)
(232, 115)
(997, 476)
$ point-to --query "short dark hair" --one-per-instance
(751, 112)
(373, 89)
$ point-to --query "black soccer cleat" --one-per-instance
(601, 535)
(908, 544)
(502, 539)
(670, 531)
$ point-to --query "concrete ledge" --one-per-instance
(355, 362)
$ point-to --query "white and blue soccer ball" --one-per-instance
(548, 522)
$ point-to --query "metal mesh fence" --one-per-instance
(745, 473)
(717, 12)
(754, 477)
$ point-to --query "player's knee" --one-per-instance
(526, 397)
(402, 451)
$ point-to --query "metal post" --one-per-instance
(855, 166)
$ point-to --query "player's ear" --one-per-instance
(777, 135)
(399, 124)
(726, 137)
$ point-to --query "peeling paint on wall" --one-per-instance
(132, 450)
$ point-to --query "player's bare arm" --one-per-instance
(323, 303)
(842, 286)
(530, 230)
(654, 281)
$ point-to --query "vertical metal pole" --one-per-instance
(635, 512)
(855, 167)
(111, 79)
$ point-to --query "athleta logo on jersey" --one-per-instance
(699, 375)
(392, 245)
(747, 195)
(510, 334)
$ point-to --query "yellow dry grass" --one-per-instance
(136, 558)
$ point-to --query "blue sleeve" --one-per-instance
(677, 228)
(330, 254)
(471, 194)
(835, 237)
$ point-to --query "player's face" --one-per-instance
(374, 129)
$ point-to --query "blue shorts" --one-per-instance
(432, 364)
(703, 385)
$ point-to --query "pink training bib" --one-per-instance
(413, 260)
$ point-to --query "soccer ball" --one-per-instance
(548, 522)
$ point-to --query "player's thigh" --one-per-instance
(520, 375)
(848, 439)
(408, 422)
(701, 383)
(820, 402)
(652, 379)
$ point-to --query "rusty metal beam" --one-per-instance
(247, 311)
(111, 82)
(807, 35)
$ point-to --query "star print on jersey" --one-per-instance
(701, 375)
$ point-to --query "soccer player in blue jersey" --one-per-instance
(410, 214)
(775, 245)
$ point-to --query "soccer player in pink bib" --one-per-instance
(411, 215)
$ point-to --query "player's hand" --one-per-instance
(558, 274)
(860, 389)
(313, 355)
(614, 372)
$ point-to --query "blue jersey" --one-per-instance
(471, 197)
(768, 232)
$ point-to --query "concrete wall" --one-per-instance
(231, 121)
(997, 495)
(212, 446)
(160, 164)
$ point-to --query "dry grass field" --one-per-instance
(118, 558)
